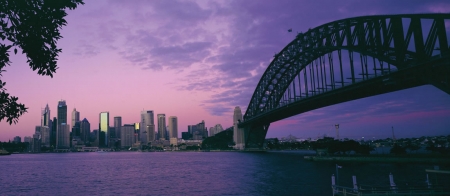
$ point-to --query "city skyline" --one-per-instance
(198, 60)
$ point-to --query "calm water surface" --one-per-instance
(189, 173)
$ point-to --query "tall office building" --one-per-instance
(53, 132)
(85, 130)
(45, 136)
(76, 130)
(238, 133)
(45, 130)
(173, 127)
(103, 127)
(45, 117)
(162, 126)
(75, 116)
(167, 133)
(117, 125)
(150, 129)
(62, 112)
(136, 132)
(127, 135)
(147, 126)
(63, 136)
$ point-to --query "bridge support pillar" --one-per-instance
(255, 135)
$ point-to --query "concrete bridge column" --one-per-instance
(238, 133)
(249, 137)
(255, 136)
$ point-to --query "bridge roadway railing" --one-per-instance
(412, 76)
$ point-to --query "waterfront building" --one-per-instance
(127, 135)
(198, 131)
(45, 136)
(62, 112)
(173, 141)
(93, 137)
(35, 144)
(101, 138)
(27, 139)
(17, 139)
(103, 127)
(173, 127)
(85, 130)
(190, 129)
(117, 125)
(215, 130)
(161, 126)
(186, 135)
(63, 136)
(147, 126)
(37, 130)
(112, 133)
(45, 117)
(75, 116)
(238, 133)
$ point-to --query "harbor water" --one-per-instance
(193, 173)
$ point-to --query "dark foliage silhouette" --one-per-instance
(32, 26)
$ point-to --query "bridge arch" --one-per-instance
(380, 37)
(399, 47)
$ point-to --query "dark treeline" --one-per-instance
(220, 141)
(14, 147)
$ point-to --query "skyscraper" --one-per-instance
(147, 126)
(62, 112)
(136, 132)
(63, 136)
(117, 125)
(85, 130)
(173, 127)
(238, 133)
(128, 135)
(45, 117)
(75, 116)
(45, 136)
(46, 127)
(53, 132)
(198, 131)
(104, 127)
(76, 130)
(161, 126)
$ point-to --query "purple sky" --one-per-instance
(198, 59)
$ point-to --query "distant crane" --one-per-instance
(393, 135)
(337, 131)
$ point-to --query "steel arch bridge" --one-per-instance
(346, 60)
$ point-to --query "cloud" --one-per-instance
(86, 50)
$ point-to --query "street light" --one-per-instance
(337, 174)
